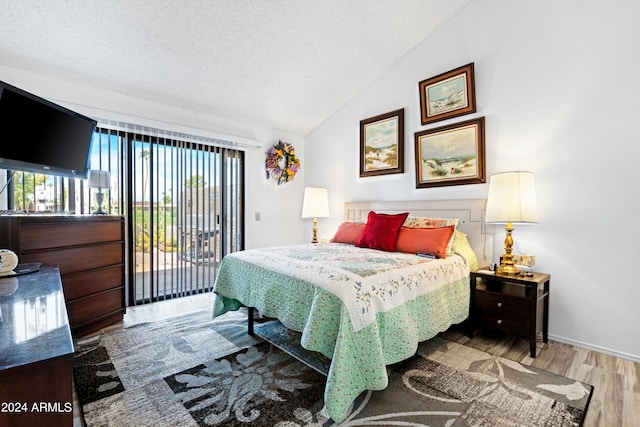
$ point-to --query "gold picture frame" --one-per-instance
(382, 144)
(451, 155)
(448, 95)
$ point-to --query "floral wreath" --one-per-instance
(281, 163)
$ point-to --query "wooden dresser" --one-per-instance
(89, 251)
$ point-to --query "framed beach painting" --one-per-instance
(382, 144)
(448, 95)
(451, 155)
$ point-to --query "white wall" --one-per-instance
(279, 206)
(557, 84)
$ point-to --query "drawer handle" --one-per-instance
(499, 322)
(499, 304)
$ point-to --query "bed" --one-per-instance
(361, 308)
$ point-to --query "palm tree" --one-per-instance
(166, 199)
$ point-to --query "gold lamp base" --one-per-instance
(507, 264)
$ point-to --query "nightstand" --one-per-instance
(518, 305)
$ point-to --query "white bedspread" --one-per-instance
(367, 281)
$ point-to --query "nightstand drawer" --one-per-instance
(504, 287)
(504, 324)
(504, 306)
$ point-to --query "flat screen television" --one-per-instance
(39, 136)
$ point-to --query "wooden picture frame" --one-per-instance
(451, 155)
(448, 95)
(382, 144)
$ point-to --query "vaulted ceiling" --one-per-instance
(282, 64)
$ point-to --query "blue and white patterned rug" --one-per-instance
(194, 371)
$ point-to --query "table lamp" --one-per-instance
(315, 205)
(511, 200)
(99, 179)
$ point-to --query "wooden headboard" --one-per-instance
(470, 212)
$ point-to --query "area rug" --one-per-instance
(194, 371)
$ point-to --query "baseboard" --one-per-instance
(599, 349)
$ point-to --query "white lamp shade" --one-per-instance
(512, 198)
(315, 203)
(99, 179)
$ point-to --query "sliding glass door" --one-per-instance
(184, 211)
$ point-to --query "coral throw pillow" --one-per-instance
(381, 231)
(427, 222)
(432, 241)
(348, 232)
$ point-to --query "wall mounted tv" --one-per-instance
(39, 136)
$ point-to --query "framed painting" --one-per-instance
(382, 144)
(451, 155)
(448, 95)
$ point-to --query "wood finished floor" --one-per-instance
(616, 398)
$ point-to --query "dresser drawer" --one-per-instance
(503, 306)
(84, 283)
(91, 308)
(47, 235)
(71, 260)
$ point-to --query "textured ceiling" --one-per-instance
(286, 65)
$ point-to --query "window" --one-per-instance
(182, 197)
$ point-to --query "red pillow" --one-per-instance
(381, 231)
(433, 241)
(348, 232)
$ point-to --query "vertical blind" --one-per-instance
(182, 196)
(184, 208)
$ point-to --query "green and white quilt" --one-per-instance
(362, 308)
